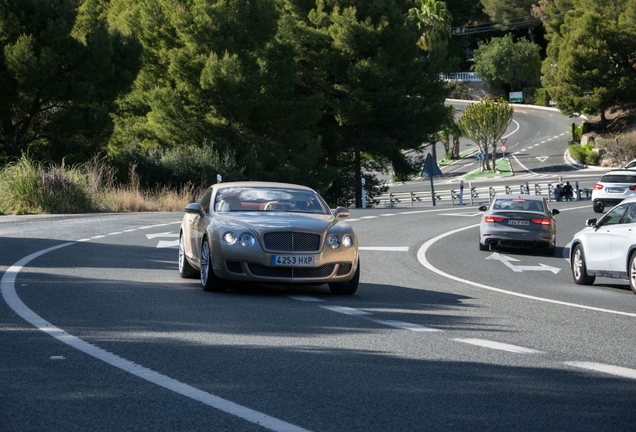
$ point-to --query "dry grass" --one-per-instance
(27, 186)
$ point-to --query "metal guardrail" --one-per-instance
(460, 76)
(471, 194)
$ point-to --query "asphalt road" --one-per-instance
(98, 332)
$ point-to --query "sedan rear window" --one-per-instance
(618, 178)
(518, 204)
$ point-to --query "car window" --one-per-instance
(614, 216)
(260, 199)
(205, 201)
(619, 178)
(630, 215)
(518, 204)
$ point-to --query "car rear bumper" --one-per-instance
(608, 202)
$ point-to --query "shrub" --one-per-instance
(619, 149)
(27, 186)
(584, 154)
(541, 97)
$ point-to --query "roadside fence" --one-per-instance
(462, 195)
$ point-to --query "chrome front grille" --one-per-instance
(290, 241)
(291, 272)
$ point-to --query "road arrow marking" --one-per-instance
(519, 269)
(542, 158)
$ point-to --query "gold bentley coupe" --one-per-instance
(274, 233)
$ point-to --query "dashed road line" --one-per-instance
(498, 346)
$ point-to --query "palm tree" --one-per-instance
(435, 23)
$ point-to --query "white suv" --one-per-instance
(613, 188)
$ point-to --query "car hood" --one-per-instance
(262, 222)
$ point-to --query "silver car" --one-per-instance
(269, 233)
(518, 221)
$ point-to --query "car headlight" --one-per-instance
(247, 239)
(229, 237)
(347, 241)
(333, 241)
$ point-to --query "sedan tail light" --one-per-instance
(632, 187)
(493, 219)
(598, 186)
(542, 221)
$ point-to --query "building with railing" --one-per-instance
(461, 76)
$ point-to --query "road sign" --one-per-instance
(503, 148)
(480, 155)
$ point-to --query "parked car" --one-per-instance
(613, 188)
(631, 165)
(270, 233)
(606, 247)
(518, 221)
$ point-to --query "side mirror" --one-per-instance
(341, 213)
(194, 208)
(555, 212)
(483, 208)
(590, 222)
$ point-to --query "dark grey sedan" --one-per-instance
(518, 221)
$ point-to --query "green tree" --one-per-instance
(502, 62)
(485, 123)
(216, 72)
(449, 134)
(590, 65)
(512, 13)
(381, 96)
(61, 69)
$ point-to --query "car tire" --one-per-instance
(185, 269)
(598, 207)
(346, 288)
(483, 247)
(209, 280)
(579, 270)
(631, 271)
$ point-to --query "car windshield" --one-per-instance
(232, 199)
(514, 204)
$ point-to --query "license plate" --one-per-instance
(615, 190)
(518, 222)
(293, 260)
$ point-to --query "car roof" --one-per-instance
(620, 171)
(261, 184)
(519, 196)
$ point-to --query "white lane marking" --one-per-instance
(406, 326)
(421, 256)
(368, 217)
(498, 346)
(352, 220)
(98, 236)
(462, 214)
(163, 234)
(542, 158)
(389, 214)
(604, 368)
(167, 244)
(523, 166)
(514, 121)
(346, 310)
(57, 358)
(114, 233)
(386, 248)
(306, 299)
(7, 286)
